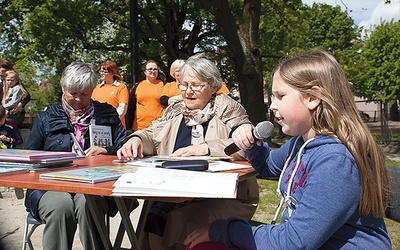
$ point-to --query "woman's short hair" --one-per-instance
(176, 65)
(78, 76)
(204, 69)
(112, 68)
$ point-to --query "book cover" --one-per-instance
(100, 136)
(26, 155)
(162, 182)
(7, 169)
(89, 175)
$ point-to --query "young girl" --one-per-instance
(13, 93)
(332, 174)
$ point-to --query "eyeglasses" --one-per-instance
(183, 87)
(152, 69)
(102, 71)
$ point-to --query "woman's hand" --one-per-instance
(132, 149)
(95, 150)
(201, 149)
(197, 236)
(17, 108)
(243, 137)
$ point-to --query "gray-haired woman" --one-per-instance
(53, 130)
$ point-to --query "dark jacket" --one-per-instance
(51, 130)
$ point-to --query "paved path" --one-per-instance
(12, 221)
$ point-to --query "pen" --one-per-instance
(77, 147)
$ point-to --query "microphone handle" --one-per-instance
(231, 149)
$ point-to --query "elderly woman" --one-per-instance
(53, 130)
(201, 124)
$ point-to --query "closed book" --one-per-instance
(89, 175)
(7, 169)
(30, 156)
(100, 136)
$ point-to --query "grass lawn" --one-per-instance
(269, 201)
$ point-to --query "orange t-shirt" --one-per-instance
(223, 89)
(113, 94)
(148, 106)
(171, 89)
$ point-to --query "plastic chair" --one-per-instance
(28, 232)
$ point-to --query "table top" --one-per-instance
(31, 180)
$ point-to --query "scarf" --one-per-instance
(195, 118)
(80, 119)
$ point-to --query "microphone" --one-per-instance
(263, 130)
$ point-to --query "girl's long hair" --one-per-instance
(337, 116)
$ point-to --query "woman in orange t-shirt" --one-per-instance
(146, 95)
(171, 93)
(112, 89)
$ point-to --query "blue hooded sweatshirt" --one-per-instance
(326, 193)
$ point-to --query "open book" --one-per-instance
(215, 163)
(176, 183)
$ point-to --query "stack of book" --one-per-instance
(36, 159)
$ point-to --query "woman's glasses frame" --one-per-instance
(152, 69)
(184, 87)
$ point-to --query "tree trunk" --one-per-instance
(394, 112)
(245, 52)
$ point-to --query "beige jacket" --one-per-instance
(159, 138)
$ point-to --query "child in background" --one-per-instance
(9, 133)
(13, 93)
(332, 174)
(10, 137)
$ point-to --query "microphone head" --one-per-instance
(263, 130)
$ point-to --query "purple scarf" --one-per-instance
(80, 119)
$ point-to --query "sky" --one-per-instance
(366, 12)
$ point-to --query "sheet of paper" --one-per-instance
(199, 157)
(176, 183)
(217, 166)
